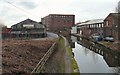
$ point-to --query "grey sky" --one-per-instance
(36, 9)
(28, 5)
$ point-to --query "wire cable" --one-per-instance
(25, 11)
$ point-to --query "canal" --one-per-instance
(89, 61)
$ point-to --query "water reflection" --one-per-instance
(85, 51)
(89, 61)
(95, 56)
(110, 56)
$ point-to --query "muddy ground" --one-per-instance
(21, 56)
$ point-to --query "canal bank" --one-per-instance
(90, 61)
(62, 60)
(70, 63)
(110, 45)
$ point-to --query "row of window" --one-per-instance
(93, 26)
(66, 20)
(62, 16)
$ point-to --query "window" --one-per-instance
(28, 26)
(106, 23)
(90, 26)
(96, 25)
(102, 25)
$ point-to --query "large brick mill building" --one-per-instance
(58, 22)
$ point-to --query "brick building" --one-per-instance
(90, 27)
(6, 32)
(58, 22)
(112, 26)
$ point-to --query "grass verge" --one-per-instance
(74, 66)
(61, 46)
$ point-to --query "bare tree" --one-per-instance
(118, 8)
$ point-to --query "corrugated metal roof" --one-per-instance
(91, 22)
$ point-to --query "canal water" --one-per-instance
(89, 61)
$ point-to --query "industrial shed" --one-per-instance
(28, 29)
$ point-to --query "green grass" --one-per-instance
(74, 65)
(61, 46)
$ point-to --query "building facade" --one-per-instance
(28, 28)
(58, 22)
(74, 30)
(5, 32)
(112, 26)
(90, 27)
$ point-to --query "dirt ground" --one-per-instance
(21, 56)
(111, 45)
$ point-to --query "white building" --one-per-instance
(74, 30)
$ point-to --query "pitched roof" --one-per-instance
(29, 20)
(117, 15)
(94, 21)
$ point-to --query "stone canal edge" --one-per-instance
(69, 61)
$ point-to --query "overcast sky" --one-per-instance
(14, 11)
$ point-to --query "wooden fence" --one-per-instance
(40, 65)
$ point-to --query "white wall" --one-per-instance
(74, 30)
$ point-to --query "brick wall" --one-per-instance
(57, 22)
(111, 24)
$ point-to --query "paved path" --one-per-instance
(67, 58)
(49, 36)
